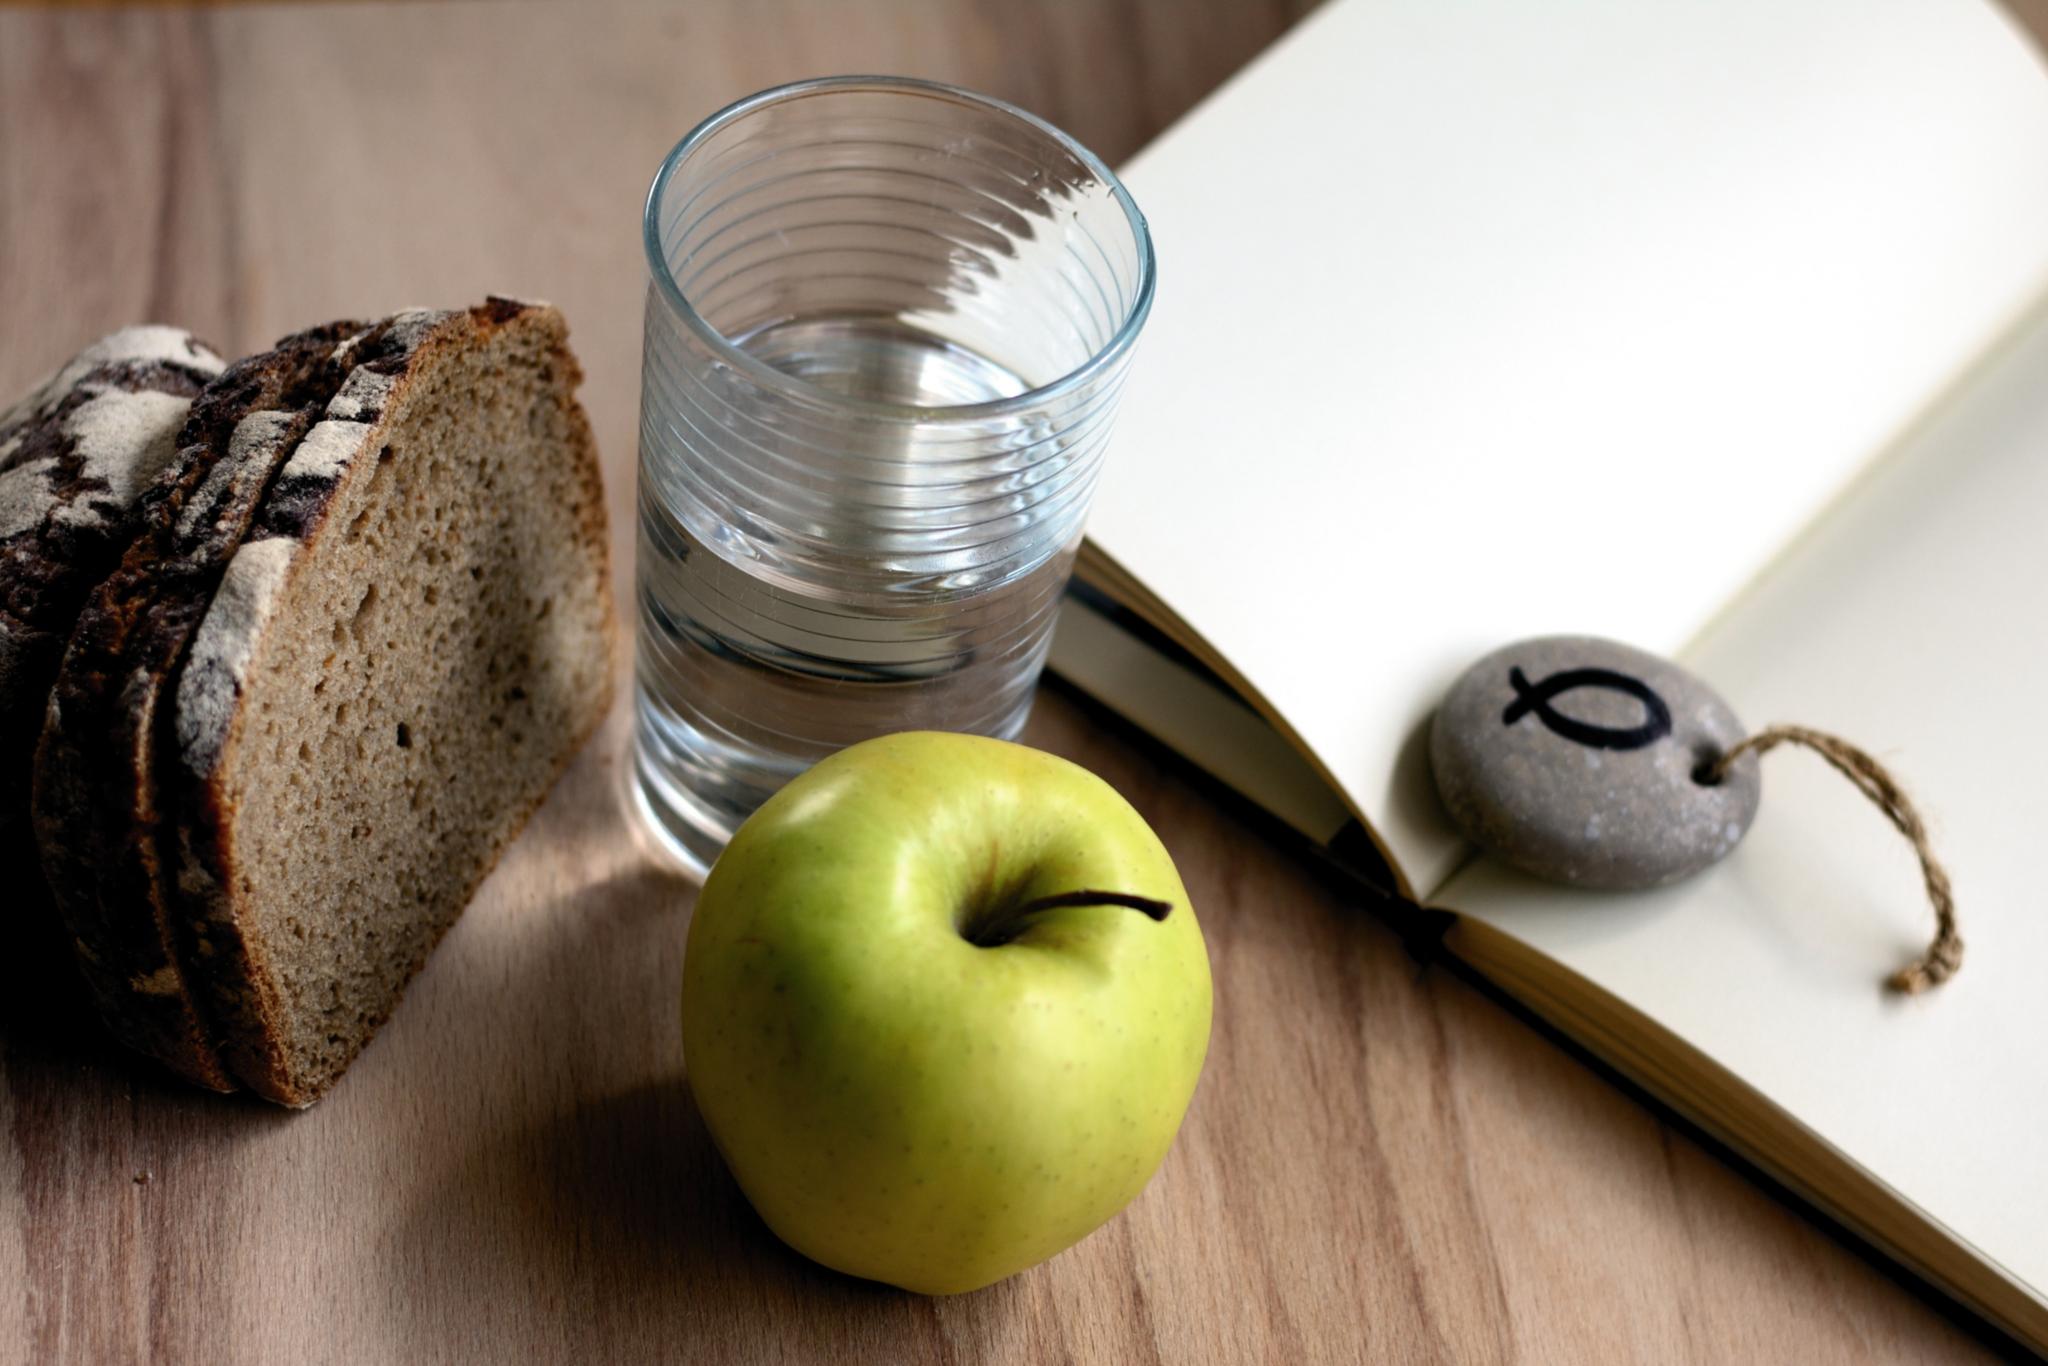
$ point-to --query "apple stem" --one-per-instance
(1149, 905)
(1008, 927)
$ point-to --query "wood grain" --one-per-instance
(1380, 1164)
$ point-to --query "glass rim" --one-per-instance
(768, 377)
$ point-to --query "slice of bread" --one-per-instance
(100, 790)
(410, 644)
(75, 457)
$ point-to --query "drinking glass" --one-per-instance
(887, 325)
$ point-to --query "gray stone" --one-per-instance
(1578, 760)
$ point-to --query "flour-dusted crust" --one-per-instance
(101, 790)
(401, 387)
(305, 485)
(75, 457)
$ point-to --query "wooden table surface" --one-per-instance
(1380, 1163)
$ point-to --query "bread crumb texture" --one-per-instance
(382, 702)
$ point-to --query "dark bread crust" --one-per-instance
(48, 566)
(100, 791)
(229, 959)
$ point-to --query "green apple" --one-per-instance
(944, 1005)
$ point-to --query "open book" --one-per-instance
(1721, 329)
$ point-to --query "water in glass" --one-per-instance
(747, 676)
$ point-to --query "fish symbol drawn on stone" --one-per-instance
(1535, 697)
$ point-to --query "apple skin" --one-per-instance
(898, 1102)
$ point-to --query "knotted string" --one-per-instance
(1945, 955)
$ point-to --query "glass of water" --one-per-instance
(887, 324)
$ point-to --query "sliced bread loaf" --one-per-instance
(101, 792)
(406, 649)
(75, 456)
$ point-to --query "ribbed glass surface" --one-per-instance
(886, 329)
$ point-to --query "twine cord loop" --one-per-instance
(1945, 954)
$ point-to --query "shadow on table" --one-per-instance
(583, 1225)
(55, 1046)
(617, 1229)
